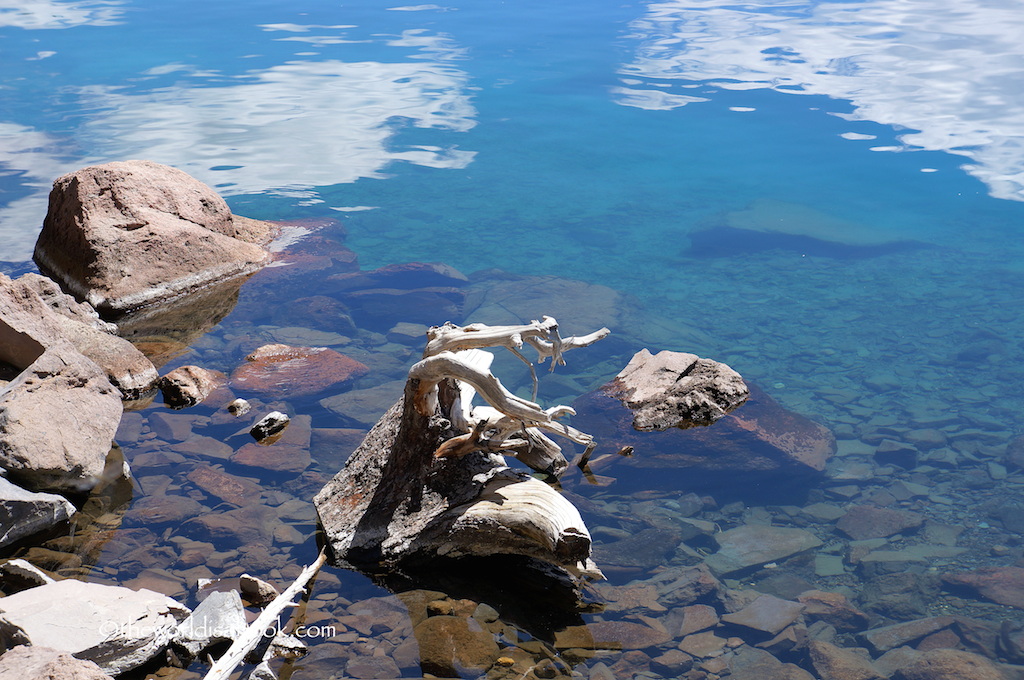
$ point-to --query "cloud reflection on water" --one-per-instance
(285, 129)
(48, 14)
(947, 70)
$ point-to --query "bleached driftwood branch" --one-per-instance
(429, 479)
(252, 636)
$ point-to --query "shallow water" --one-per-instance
(825, 195)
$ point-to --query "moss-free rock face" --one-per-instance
(127, 234)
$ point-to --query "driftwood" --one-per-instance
(430, 479)
(256, 631)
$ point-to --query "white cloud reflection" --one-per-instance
(35, 159)
(948, 70)
(291, 127)
(284, 130)
(48, 14)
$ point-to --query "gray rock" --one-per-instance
(44, 663)
(117, 628)
(125, 234)
(40, 314)
(44, 444)
(23, 513)
(674, 389)
(749, 546)
(218, 618)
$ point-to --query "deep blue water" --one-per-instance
(828, 196)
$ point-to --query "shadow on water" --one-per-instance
(525, 593)
(731, 241)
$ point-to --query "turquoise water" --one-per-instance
(828, 196)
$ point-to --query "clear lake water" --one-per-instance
(827, 196)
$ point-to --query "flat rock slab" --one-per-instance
(126, 234)
(284, 370)
(866, 521)
(753, 545)
(1004, 585)
(23, 513)
(889, 637)
(767, 614)
(117, 628)
(24, 662)
(227, 487)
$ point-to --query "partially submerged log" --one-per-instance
(430, 479)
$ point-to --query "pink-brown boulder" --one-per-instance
(758, 437)
(37, 314)
(126, 234)
(283, 370)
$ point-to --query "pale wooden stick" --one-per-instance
(251, 637)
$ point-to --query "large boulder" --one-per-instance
(674, 389)
(58, 418)
(23, 513)
(117, 628)
(126, 234)
(760, 437)
(35, 313)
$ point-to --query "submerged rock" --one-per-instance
(865, 521)
(286, 371)
(950, 664)
(117, 628)
(750, 545)
(23, 513)
(761, 437)
(1004, 585)
(767, 614)
(127, 234)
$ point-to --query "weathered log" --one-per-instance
(430, 478)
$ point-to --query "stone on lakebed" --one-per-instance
(276, 370)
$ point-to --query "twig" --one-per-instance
(254, 633)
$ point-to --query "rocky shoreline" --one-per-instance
(895, 553)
